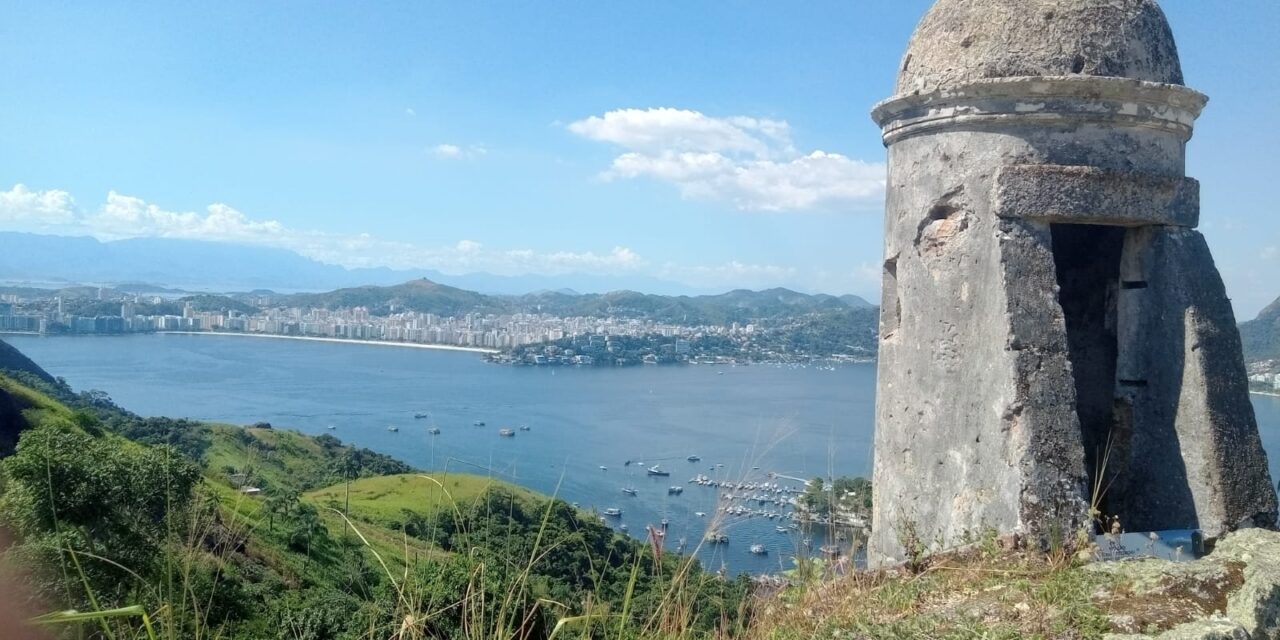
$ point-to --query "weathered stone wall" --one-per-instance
(1053, 332)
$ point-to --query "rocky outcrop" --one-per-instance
(1233, 593)
(11, 423)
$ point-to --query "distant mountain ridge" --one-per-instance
(1260, 337)
(166, 263)
(426, 296)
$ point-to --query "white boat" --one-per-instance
(656, 471)
(759, 550)
(478, 423)
(331, 427)
(435, 431)
(524, 427)
(675, 490)
(781, 529)
(694, 458)
(700, 514)
(629, 491)
(612, 511)
(391, 428)
(604, 468)
(506, 433)
(623, 527)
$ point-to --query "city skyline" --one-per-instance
(714, 146)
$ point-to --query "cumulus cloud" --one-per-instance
(23, 207)
(447, 151)
(751, 163)
(126, 216)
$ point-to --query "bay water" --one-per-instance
(743, 422)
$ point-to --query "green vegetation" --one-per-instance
(425, 296)
(182, 529)
(844, 332)
(844, 495)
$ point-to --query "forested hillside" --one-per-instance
(212, 530)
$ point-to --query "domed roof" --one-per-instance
(960, 41)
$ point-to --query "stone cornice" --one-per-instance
(1042, 100)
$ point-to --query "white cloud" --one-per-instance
(408, 111)
(125, 216)
(23, 207)
(1269, 253)
(731, 274)
(749, 162)
(446, 150)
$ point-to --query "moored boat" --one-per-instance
(507, 433)
(656, 471)
(758, 549)
(629, 491)
(613, 512)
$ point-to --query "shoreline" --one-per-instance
(1273, 394)
(382, 343)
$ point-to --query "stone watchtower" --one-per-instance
(1054, 334)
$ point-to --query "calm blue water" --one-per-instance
(798, 422)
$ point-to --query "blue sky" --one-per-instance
(716, 144)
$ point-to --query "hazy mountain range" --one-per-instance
(52, 260)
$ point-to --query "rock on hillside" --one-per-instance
(1233, 593)
(11, 424)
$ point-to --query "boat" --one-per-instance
(435, 431)
(604, 468)
(715, 537)
(675, 491)
(629, 491)
(759, 549)
(419, 416)
(781, 529)
(829, 550)
(694, 458)
(524, 427)
(612, 511)
(666, 522)
(623, 527)
(478, 423)
(655, 471)
(700, 514)
(506, 433)
(331, 427)
(392, 428)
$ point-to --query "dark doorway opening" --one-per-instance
(1087, 261)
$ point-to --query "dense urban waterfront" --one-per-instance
(797, 421)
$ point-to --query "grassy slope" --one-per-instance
(383, 499)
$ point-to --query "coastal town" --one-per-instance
(534, 339)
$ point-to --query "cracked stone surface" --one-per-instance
(1047, 304)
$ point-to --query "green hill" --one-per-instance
(1260, 337)
(425, 296)
(221, 531)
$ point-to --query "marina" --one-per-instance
(584, 424)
